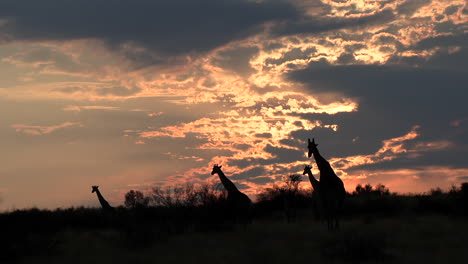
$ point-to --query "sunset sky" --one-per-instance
(130, 94)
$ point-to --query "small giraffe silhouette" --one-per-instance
(316, 202)
(314, 182)
(238, 201)
(105, 205)
(332, 191)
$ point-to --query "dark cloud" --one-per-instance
(118, 91)
(452, 158)
(69, 90)
(339, 143)
(443, 41)
(411, 6)
(249, 173)
(263, 135)
(315, 25)
(273, 46)
(46, 58)
(261, 180)
(294, 54)
(285, 155)
(392, 83)
(237, 60)
(346, 58)
(392, 99)
(386, 49)
(452, 53)
(452, 9)
(354, 47)
(170, 27)
(385, 40)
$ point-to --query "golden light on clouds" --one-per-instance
(232, 97)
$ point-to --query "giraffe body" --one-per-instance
(316, 201)
(332, 191)
(238, 202)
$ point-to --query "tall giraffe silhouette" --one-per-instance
(332, 191)
(238, 201)
(316, 201)
(105, 205)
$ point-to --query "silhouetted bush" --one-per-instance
(286, 198)
(180, 209)
(187, 195)
(202, 207)
(135, 199)
(368, 190)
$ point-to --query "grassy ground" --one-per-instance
(405, 239)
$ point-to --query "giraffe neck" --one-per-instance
(313, 181)
(323, 165)
(228, 185)
(102, 201)
(319, 159)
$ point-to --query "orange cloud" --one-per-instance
(390, 150)
(89, 107)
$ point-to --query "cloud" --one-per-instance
(42, 130)
(409, 7)
(90, 107)
(410, 89)
(164, 89)
(69, 90)
(320, 25)
(393, 97)
(391, 149)
(172, 27)
(45, 57)
(236, 60)
(118, 91)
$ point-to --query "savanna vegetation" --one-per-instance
(194, 224)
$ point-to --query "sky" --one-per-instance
(134, 94)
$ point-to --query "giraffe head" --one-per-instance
(307, 169)
(216, 169)
(311, 146)
(95, 189)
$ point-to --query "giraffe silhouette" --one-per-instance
(332, 191)
(104, 204)
(316, 201)
(239, 203)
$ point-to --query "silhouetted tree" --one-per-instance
(289, 193)
(363, 190)
(381, 190)
(436, 192)
(464, 191)
(367, 190)
(135, 199)
(292, 182)
(187, 195)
